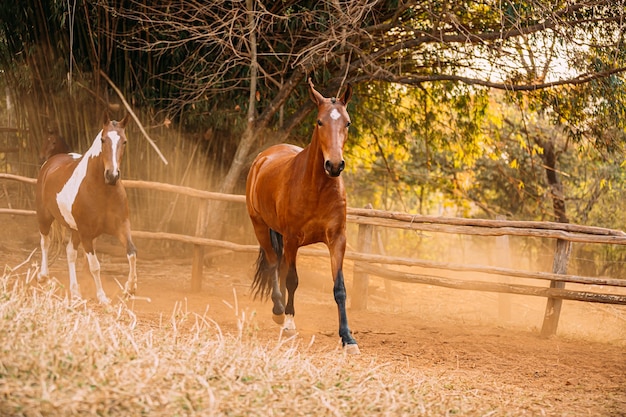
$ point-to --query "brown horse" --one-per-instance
(85, 195)
(52, 145)
(296, 197)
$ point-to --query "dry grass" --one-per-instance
(59, 358)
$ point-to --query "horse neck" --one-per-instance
(95, 164)
(314, 160)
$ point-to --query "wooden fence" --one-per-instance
(372, 264)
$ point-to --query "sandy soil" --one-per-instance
(437, 332)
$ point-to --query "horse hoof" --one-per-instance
(278, 318)
(102, 299)
(289, 326)
(75, 294)
(287, 333)
(352, 349)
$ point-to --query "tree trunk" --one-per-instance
(210, 217)
(249, 135)
(556, 188)
(563, 247)
(254, 127)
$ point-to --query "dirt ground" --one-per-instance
(438, 332)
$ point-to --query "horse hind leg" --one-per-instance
(72, 253)
(267, 281)
(44, 242)
(278, 296)
(45, 239)
(267, 275)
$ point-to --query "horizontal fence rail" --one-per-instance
(368, 263)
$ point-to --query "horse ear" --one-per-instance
(316, 97)
(106, 119)
(347, 95)
(126, 119)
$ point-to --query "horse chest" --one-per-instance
(82, 202)
(69, 192)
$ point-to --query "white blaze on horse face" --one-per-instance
(115, 138)
(335, 114)
(67, 195)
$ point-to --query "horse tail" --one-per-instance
(262, 283)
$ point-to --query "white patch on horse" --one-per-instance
(67, 195)
(335, 114)
(289, 324)
(115, 138)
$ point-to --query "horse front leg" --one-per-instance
(131, 284)
(94, 269)
(291, 284)
(131, 253)
(337, 250)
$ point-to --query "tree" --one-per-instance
(212, 54)
(206, 60)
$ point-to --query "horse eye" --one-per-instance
(348, 124)
(319, 122)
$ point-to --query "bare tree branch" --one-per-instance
(501, 86)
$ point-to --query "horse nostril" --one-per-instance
(111, 177)
(334, 170)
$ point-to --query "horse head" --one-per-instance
(332, 128)
(113, 145)
(52, 145)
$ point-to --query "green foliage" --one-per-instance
(458, 151)
(418, 144)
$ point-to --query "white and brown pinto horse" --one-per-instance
(296, 197)
(84, 194)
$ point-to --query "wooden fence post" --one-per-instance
(553, 306)
(503, 253)
(198, 250)
(361, 279)
(382, 251)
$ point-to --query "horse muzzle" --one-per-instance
(111, 177)
(334, 170)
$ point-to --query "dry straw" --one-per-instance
(62, 359)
